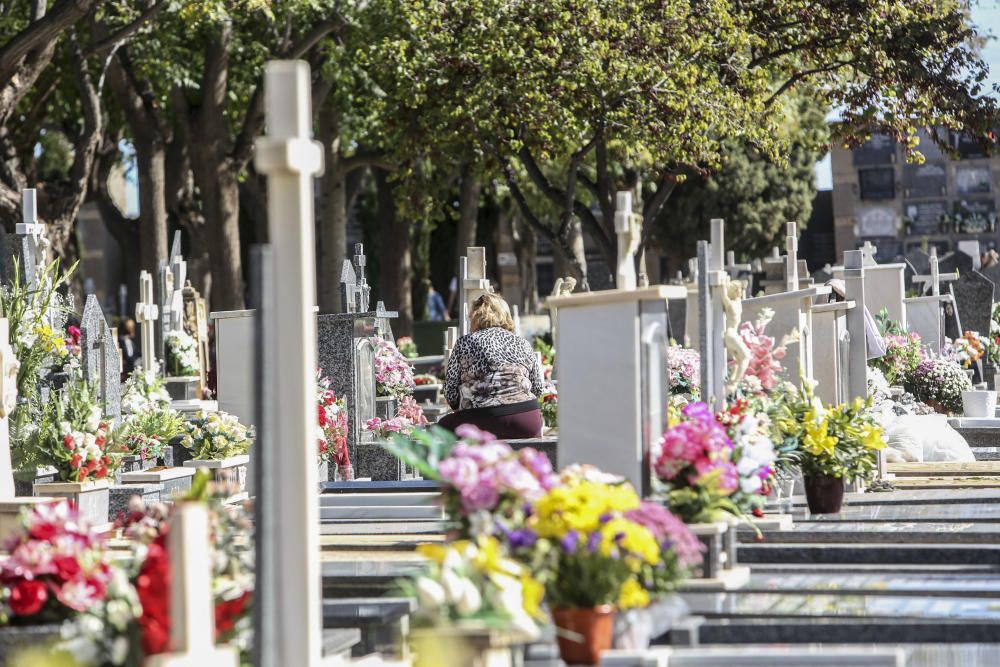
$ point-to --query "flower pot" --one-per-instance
(584, 633)
(232, 470)
(979, 403)
(824, 494)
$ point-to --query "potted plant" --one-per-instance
(549, 404)
(903, 351)
(143, 437)
(219, 442)
(939, 383)
(834, 444)
(72, 437)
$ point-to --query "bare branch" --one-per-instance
(40, 34)
(114, 40)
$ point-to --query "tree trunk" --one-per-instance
(221, 201)
(332, 232)
(526, 247)
(571, 258)
(468, 212)
(395, 274)
(151, 161)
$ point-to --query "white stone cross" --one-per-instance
(192, 609)
(628, 227)
(9, 365)
(693, 270)
(791, 256)
(146, 314)
(178, 267)
(933, 281)
(288, 591)
(868, 253)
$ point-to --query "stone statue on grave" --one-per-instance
(628, 227)
(564, 286)
(739, 353)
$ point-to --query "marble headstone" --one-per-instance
(974, 295)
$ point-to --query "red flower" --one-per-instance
(67, 567)
(758, 512)
(322, 415)
(75, 462)
(153, 588)
(74, 334)
(68, 442)
(102, 473)
(28, 597)
(82, 475)
(227, 612)
(43, 532)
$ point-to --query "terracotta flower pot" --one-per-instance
(824, 494)
(594, 625)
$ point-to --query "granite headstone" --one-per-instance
(99, 358)
(974, 295)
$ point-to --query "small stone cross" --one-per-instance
(732, 268)
(29, 225)
(192, 609)
(868, 253)
(349, 298)
(791, 257)
(146, 314)
(363, 292)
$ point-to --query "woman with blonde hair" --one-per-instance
(494, 379)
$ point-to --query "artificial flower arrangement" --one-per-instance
(694, 462)
(939, 383)
(61, 571)
(835, 444)
(72, 435)
(143, 391)
(683, 370)
(903, 352)
(548, 402)
(216, 436)
(232, 566)
(331, 413)
(182, 354)
(763, 373)
(407, 347)
(409, 416)
(475, 581)
(424, 379)
(967, 350)
(754, 454)
(393, 373)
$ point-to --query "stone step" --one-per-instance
(888, 582)
(381, 512)
(404, 486)
(937, 513)
(386, 527)
(941, 483)
(911, 498)
(833, 605)
(392, 499)
(945, 469)
(882, 532)
(752, 630)
(807, 553)
(339, 642)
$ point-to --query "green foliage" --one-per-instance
(888, 326)
(422, 449)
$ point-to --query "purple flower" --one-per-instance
(593, 542)
(522, 537)
(570, 541)
(536, 461)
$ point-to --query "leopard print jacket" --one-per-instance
(492, 367)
